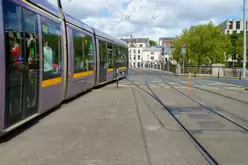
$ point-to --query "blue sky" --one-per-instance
(106, 13)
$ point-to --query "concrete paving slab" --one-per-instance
(209, 132)
(231, 108)
(103, 127)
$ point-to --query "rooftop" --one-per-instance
(166, 38)
(140, 40)
(154, 48)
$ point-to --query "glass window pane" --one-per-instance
(89, 53)
(115, 54)
(78, 52)
(83, 52)
(110, 55)
(32, 54)
(51, 48)
(12, 17)
(103, 54)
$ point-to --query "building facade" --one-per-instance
(135, 49)
(152, 55)
(167, 47)
(232, 26)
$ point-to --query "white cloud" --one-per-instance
(170, 21)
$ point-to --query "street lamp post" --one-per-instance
(244, 55)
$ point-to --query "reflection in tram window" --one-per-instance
(78, 52)
(103, 54)
(115, 54)
(110, 55)
(32, 54)
(126, 56)
(103, 61)
(89, 53)
(122, 56)
(51, 49)
(13, 52)
(83, 52)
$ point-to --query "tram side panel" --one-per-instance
(52, 78)
(2, 71)
(34, 79)
(81, 61)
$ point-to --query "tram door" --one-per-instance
(103, 61)
(22, 62)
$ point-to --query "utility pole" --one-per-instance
(60, 4)
(244, 55)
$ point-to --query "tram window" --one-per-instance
(115, 54)
(12, 17)
(110, 55)
(83, 52)
(103, 54)
(89, 53)
(125, 56)
(122, 56)
(78, 52)
(51, 42)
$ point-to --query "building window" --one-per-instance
(230, 24)
(238, 25)
(134, 57)
(130, 57)
(152, 52)
(51, 48)
(141, 45)
(134, 51)
(138, 57)
(138, 51)
(152, 57)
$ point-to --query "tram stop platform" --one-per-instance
(107, 126)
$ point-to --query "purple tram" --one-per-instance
(48, 56)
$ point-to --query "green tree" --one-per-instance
(206, 44)
(239, 47)
(153, 43)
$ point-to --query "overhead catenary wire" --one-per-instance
(167, 9)
(115, 8)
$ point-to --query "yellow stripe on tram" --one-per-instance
(123, 68)
(51, 82)
(111, 70)
(83, 74)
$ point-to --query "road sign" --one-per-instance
(184, 51)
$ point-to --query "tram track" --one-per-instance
(209, 91)
(205, 148)
(204, 105)
(196, 143)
